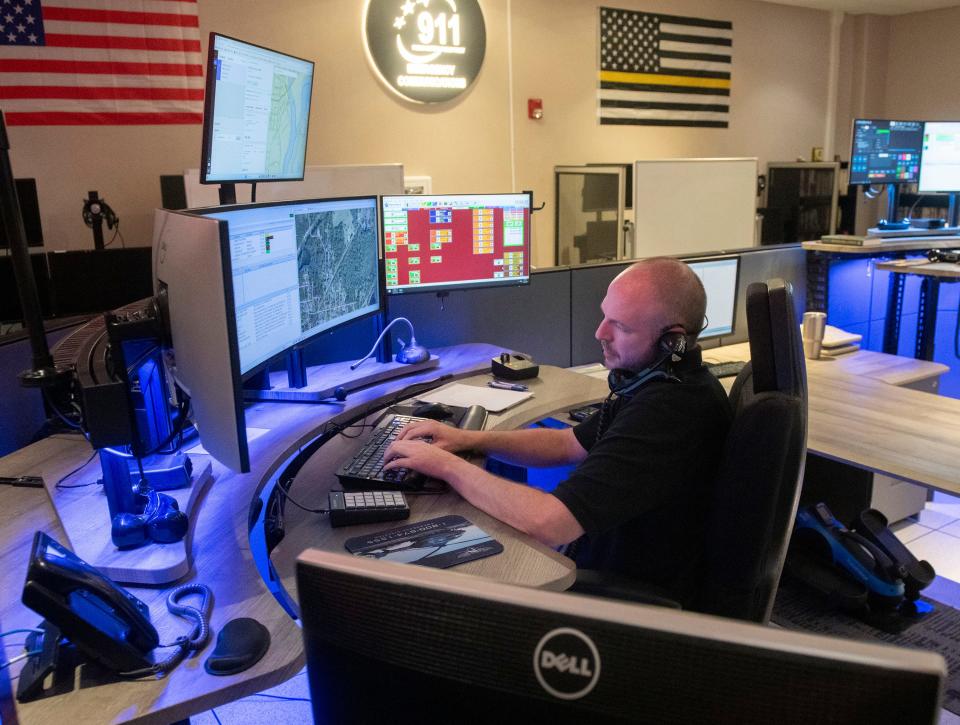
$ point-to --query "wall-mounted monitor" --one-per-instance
(455, 241)
(885, 152)
(255, 114)
(720, 279)
(298, 269)
(940, 164)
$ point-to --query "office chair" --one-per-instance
(758, 481)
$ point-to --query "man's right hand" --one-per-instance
(443, 436)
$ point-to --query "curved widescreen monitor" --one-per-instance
(298, 269)
(436, 243)
(885, 152)
(191, 275)
(255, 114)
(940, 165)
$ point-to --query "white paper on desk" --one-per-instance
(493, 399)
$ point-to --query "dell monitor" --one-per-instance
(255, 114)
(193, 283)
(298, 269)
(448, 647)
(457, 241)
(720, 278)
(885, 152)
(940, 164)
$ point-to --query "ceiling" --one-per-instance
(875, 7)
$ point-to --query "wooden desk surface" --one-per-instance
(223, 558)
(878, 250)
(944, 270)
(890, 369)
(858, 414)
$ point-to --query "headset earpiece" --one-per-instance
(673, 342)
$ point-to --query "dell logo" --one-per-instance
(566, 663)
(573, 665)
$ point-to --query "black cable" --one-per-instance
(116, 233)
(182, 411)
(956, 336)
(282, 697)
(195, 641)
(59, 483)
(55, 409)
(286, 495)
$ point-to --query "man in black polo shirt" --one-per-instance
(636, 502)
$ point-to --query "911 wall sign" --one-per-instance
(428, 51)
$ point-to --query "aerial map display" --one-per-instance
(337, 264)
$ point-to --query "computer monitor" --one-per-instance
(255, 113)
(456, 241)
(446, 647)
(29, 212)
(720, 277)
(885, 152)
(940, 164)
(298, 269)
(193, 281)
(10, 310)
(88, 281)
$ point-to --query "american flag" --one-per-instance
(664, 70)
(100, 62)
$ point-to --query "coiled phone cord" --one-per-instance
(198, 637)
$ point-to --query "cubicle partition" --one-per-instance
(553, 318)
(533, 318)
(589, 285)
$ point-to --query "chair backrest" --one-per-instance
(758, 484)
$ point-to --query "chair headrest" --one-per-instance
(776, 352)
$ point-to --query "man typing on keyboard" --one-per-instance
(636, 502)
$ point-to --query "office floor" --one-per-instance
(934, 535)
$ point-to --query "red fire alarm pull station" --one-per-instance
(535, 108)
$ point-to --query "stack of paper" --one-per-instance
(838, 342)
(494, 400)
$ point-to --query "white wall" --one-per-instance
(778, 108)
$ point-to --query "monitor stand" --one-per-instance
(228, 193)
(326, 383)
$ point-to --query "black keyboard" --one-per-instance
(365, 469)
(726, 369)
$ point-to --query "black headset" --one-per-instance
(672, 346)
(98, 208)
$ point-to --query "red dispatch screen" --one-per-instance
(450, 241)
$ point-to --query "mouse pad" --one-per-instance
(438, 543)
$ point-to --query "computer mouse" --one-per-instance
(436, 411)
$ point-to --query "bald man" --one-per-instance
(636, 502)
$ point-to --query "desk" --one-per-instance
(820, 254)
(224, 556)
(932, 275)
(857, 417)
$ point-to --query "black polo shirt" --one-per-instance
(641, 495)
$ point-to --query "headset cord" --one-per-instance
(198, 637)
